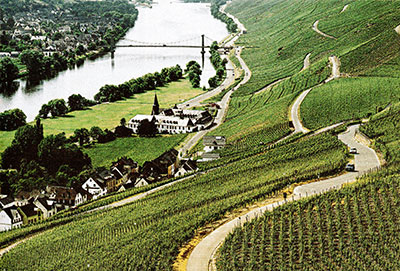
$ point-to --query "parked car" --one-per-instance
(353, 150)
(350, 167)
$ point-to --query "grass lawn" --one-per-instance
(109, 115)
(137, 148)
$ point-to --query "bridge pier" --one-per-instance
(203, 51)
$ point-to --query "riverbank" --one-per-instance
(108, 115)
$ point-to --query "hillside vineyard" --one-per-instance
(291, 163)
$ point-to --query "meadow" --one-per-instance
(122, 238)
(108, 115)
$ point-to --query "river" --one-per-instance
(168, 21)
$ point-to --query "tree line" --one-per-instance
(40, 161)
(219, 65)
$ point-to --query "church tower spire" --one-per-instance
(156, 106)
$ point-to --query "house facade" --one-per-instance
(95, 187)
(173, 120)
(10, 218)
(213, 143)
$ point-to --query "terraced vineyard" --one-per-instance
(282, 31)
(123, 238)
(252, 120)
(384, 128)
(355, 228)
(348, 98)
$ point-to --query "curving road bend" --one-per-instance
(365, 160)
(315, 28)
(202, 256)
(295, 113)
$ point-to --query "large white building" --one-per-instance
(174, 120)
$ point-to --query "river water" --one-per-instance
(168, 21)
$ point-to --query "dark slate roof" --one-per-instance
(43, 201)
(190, 165)
(214, 141)
(28, 210)
(11, 212)
(106, 174)
(168, 112)
(5, 201)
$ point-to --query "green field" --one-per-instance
(138, 148)
(348, 98)
(109, 115)
(355, 228)
(121, 238)
(282, 31)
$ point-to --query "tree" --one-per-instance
(123, 122)
(12, 119)
(58, 107)
(54, 151)
(78, 102)
(96, 132)
(213, 82)
(33, 61)
(30, 176)
(8, 71)
(44, 111)
(107, 136)
(23, 147)
(147, 128)
(82, 135)
(220, 72)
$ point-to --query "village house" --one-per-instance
(46, 206)
(30, 214)
(62, 196)
(6, 202)
(187, 167)
(213, 143)
(96, 187)
(10, 218)
(165, 165)
(173, 120)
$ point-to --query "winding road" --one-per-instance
(202, 257)
(315, 28)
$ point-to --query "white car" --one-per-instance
(353, 150)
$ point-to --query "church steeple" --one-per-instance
(156, 106)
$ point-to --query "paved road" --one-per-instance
(295, 113)
(365, 160)
(196, 101)
(201, 259)
(224, 103)
(306, 62)
(315, 28)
